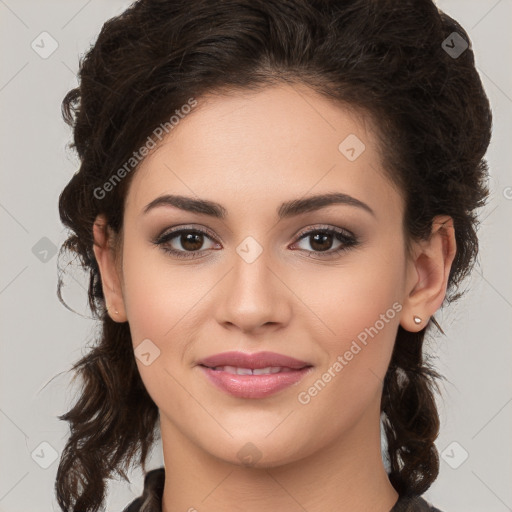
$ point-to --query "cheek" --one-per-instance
(363, 310)
(359, 307)
(352, 296)
(157, 297)
(161, 319)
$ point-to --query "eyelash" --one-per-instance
(345, 237)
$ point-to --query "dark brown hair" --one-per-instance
(383, 57)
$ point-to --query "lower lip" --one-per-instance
(254, 386)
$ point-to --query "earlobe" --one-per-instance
(105, 257)
(428, 275)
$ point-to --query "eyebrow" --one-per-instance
(286, 210)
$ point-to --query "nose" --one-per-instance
(254, 297)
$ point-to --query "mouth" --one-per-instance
(253, 375)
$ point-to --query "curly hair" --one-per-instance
(383, 57)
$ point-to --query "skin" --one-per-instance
(251, 152)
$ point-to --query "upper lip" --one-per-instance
(252, 361)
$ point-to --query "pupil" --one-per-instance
(323, 237)
(192, 241)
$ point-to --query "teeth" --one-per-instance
(247, 371)
(238, 371)
(268, 369)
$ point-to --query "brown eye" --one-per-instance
(184, 243)
(322, 241)
(191, 241)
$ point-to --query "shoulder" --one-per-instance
(413, 504)
(151, 498)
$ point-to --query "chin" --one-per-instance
(258, 451)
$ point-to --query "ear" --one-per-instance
(427, 274)
(110, 280)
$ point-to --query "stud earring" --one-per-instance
(417, 320)
(115, 310)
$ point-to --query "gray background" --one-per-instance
(41, 338)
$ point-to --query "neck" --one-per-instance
(347, 475)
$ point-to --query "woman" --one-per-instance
(273, 201)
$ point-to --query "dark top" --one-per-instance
(151, 499)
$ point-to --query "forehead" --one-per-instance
(279, 143)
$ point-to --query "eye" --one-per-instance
(190, 240)
(188, 243)
(322, 238)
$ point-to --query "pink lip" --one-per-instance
(252, 361)
(253, 386)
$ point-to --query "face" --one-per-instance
(323, 283)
